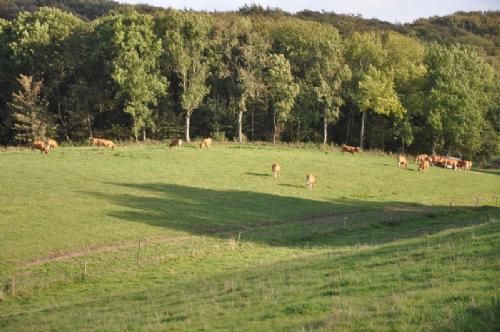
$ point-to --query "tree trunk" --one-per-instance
(240, 126)
(362, 136)
(90, 125)
(325, 130)
(136, 135)
(275, 127)
(63, 123)
(252, 126)
(144, 135)
(186, 127)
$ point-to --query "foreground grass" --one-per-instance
(226, 246)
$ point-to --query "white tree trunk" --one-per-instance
(186, 129)
(240, 127)
(362, 136)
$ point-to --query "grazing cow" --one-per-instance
(423, 165)
(52, 144)
(451, 163)
(40, 145)
(420, 157)
(402, 161)
(177, 142)
(108, 144)
(465, 165)
(350, 149)
(102, 142)
(310, 181)
(95, 141)
(206, 142)
(276, 170)
(438, 161)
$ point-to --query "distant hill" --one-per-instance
(475, 28)
(481, 29)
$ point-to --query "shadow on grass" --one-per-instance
(284, 221)
(475, 318)
(257, 174)
(291, 185)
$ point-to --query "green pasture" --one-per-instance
(151, 238)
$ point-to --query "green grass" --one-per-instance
(225, 246)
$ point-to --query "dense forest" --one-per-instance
(74, 69)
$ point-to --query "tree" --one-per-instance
(134, 65)
(315, 52)
(376, 93)
(29, 111)
(405, 60)
(364, 51)
(460, 89)
(281, 90)
(241, 50)
(184, 36)
(39, 45)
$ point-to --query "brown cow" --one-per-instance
(108, 144)
(350, 149)
(177, 142)
(402, 161)
(52, 144)
(102, 142)
(40, 145)
(206, 142)
(451, 163)
(438, 161)
(276, 170)
(95, 141)
(420, 157)
(310, 181)
(423, 165)
(465, 165)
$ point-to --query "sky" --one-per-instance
(394, 11)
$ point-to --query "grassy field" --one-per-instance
(147, 238)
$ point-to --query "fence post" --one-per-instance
(138, 253)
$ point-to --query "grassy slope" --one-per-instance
(374, 247)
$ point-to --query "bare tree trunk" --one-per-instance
(362, 136)
(90, 125)
(275, 127)
(136, 135)
(144, 135)
(325, 129)
(186, 127)
(240, 126)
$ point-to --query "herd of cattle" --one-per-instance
(423, 161)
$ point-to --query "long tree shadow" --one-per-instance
(284, 221)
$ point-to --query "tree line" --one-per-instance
(245, 75)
